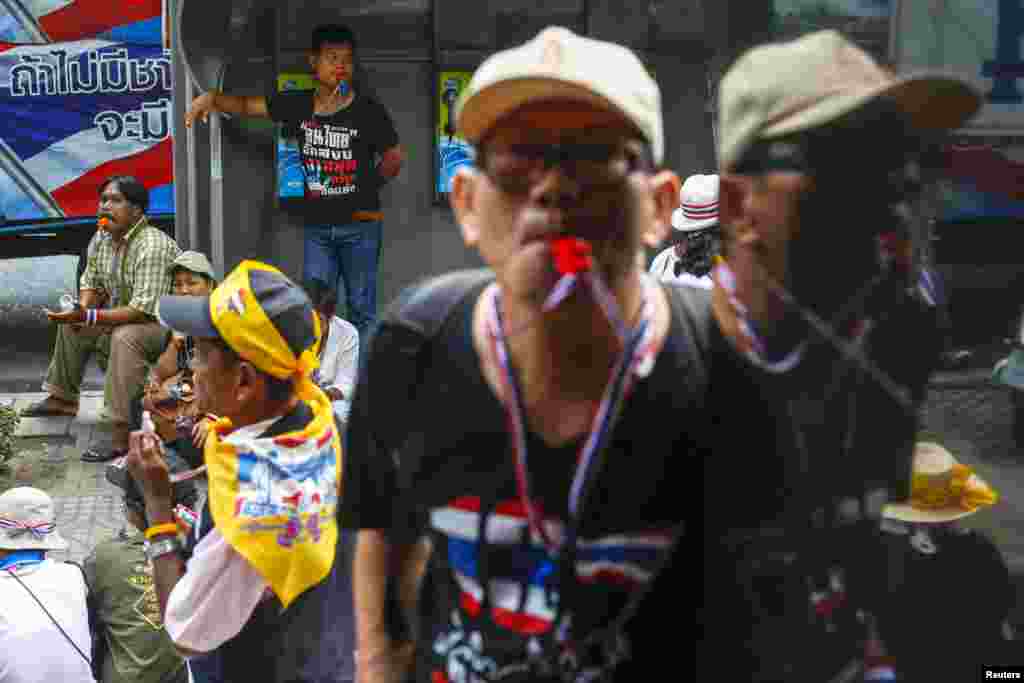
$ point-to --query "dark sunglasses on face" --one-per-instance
(517, 167)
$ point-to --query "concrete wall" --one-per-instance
(398, 53)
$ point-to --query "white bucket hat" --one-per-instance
(698, 204)
(559, 64)
(27, 521)
(781, 88)
(941, 489)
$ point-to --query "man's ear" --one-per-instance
(462, 198)
(665, 193)
(251, 385)
(732, 213)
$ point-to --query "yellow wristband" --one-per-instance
(161, 529)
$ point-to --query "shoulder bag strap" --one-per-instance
(17, 578)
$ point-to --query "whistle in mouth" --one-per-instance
(103, 222)
(571, 255)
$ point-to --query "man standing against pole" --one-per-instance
(349, 149)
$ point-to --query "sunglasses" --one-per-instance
(516, 168)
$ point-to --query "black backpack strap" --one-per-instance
(398, 355)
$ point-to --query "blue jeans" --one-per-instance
(346, 255)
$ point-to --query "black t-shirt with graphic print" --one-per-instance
(462, 482)
(718, 455)
(339, 152)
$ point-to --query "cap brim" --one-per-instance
(931, 102)
(486, 107)
(684, 224)
(189, 315)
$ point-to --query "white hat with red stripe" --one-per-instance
(698, 204)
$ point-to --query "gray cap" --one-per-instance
(193, 261)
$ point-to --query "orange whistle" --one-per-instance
(103, 221)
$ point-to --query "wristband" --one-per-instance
(90, 316)
(161, 529)
(165, 546)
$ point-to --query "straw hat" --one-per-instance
(27, 521)
(941, 489)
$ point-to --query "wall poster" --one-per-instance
(451, 151)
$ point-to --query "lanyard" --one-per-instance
(753, 344)
(619, 385)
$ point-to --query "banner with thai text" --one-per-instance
(85, 93)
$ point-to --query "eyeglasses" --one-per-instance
(518, 167)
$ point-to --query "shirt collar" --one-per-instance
(134, 229)
(22, 558)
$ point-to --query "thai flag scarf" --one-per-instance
(274, 498)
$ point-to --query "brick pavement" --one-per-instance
(88, 506)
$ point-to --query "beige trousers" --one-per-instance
(124, 352)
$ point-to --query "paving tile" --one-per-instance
(43, 426)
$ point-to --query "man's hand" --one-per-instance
(200, 430)
(334, 393)
(146, 464)
(74, 316)
(201, 108)
(386, 665)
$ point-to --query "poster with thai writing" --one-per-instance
(979, 40)
(452, 151)
(85, 93)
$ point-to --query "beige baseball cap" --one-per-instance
(782, 88)
(559, 64)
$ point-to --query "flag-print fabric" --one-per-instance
(85, 93)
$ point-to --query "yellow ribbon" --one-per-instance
(960, 490)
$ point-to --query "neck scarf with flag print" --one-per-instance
(274, 498)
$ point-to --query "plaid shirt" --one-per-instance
(146, 253)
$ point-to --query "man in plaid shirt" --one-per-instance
(125, 275)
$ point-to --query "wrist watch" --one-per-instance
(161, 547)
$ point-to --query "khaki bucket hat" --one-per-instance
(783, 88)
(193, 261)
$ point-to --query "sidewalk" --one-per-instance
(88, 506)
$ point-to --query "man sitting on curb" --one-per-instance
(135, 647)
(125, 274)
(254, 589)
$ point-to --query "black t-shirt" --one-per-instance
(717, 455)
(338, 151)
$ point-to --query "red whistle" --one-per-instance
(571, 255)
(103, 221)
